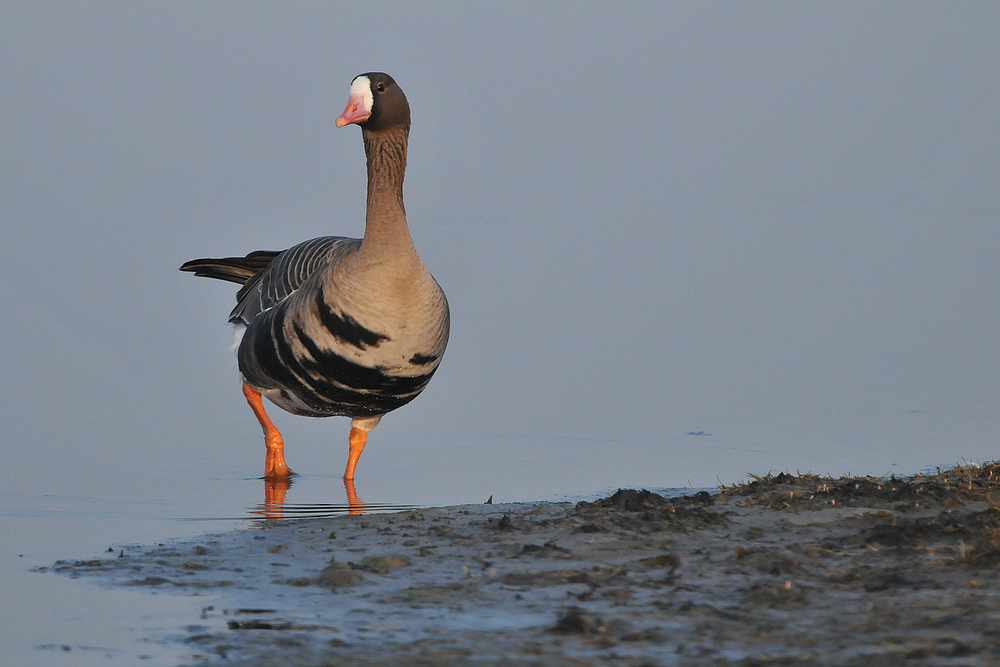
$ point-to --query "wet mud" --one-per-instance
(785, 569)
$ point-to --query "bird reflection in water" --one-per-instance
(275, 508)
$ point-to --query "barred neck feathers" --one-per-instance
(385, 224)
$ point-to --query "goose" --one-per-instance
(335, 325)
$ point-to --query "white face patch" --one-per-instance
(362, 87)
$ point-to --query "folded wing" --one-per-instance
(270, 276)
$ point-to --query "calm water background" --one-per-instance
(681, 242)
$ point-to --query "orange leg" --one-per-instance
(274, 463)
(358, 439)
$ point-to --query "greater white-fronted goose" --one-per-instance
(341, 326)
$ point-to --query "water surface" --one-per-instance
(68, 504)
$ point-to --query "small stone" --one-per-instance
(339, 575)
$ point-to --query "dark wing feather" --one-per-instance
(286, 273)
(268, 276)
(234, 269)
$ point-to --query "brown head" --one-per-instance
(376, 104)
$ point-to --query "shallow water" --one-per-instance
(68, 505)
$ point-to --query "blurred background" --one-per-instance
(681, 241)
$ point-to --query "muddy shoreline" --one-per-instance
(786, 569)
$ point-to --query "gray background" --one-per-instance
(774, 223)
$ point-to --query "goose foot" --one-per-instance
(274, 462)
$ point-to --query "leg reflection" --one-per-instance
(274, 501)
(355, 505)
(274, 496)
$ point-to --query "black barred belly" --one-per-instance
(323, 382)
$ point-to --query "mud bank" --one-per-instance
(783, 570)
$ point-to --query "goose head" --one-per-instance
(376, 103)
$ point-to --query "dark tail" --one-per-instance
(234, 269)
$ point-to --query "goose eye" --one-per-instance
(380, 87)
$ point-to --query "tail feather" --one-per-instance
(234, 269)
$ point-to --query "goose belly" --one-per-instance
(318, 361)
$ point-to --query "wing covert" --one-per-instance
(286, 273)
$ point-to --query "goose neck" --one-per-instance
(386, 215)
